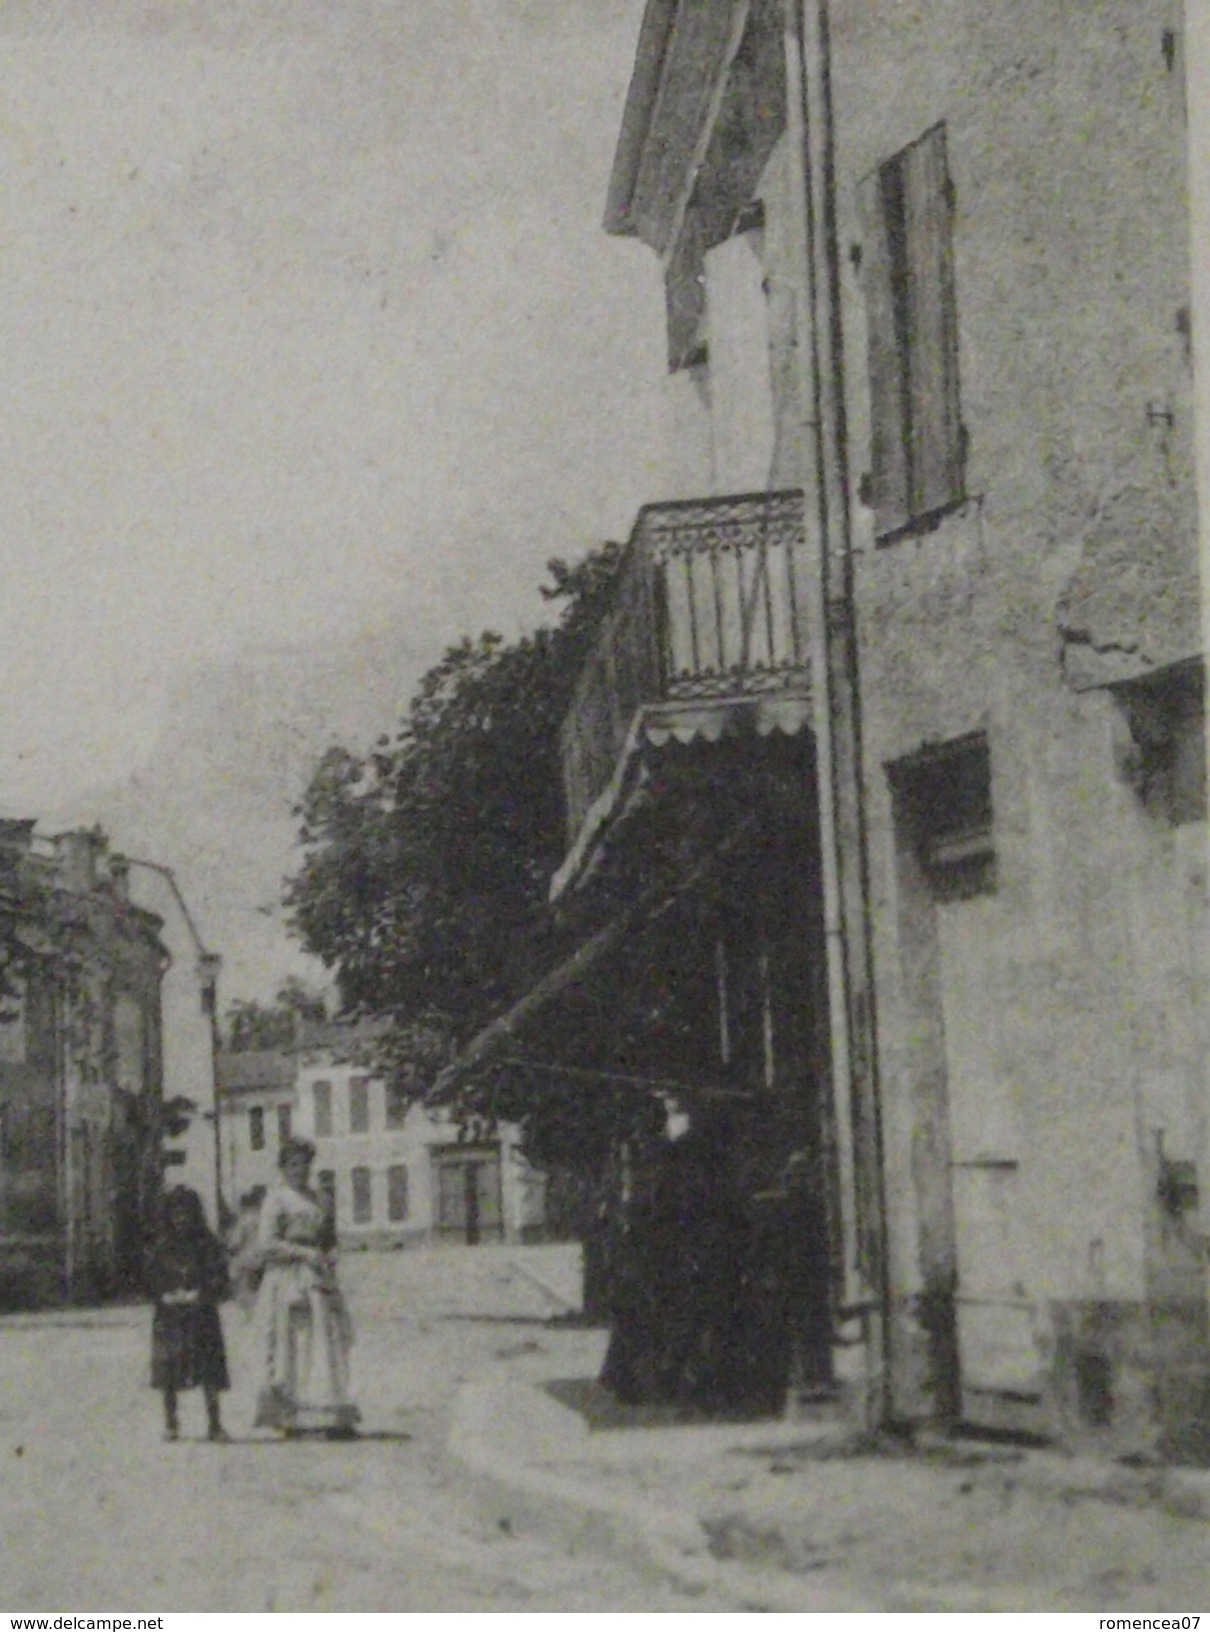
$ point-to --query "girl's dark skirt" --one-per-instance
(187, 1348)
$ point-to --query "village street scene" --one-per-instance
(603, 836)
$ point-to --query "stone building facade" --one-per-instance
(80, 1069)
(927, 274)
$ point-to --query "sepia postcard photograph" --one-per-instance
(604, 874)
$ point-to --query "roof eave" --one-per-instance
(654, 34)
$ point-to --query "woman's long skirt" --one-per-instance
(306, 1341)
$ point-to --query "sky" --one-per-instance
(309, 331)
(314, 352)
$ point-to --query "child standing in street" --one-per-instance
(187, 1280)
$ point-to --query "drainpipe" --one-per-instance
(63, 1143)
(1197, 103)
(837, 700)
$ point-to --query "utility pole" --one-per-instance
(209, 965)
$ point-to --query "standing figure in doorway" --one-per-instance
(187, 1278)
(303, 1323)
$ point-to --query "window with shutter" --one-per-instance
(359, 1105)
(945, 792)
(397, 1194)
(363, 1196)
(917, 440)
(322, 1092)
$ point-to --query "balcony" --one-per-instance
(709, 613)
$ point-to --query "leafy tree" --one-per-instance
(251, 1025)
(427, 862)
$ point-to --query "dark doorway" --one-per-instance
(469, 1204)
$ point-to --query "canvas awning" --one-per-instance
(498, 1033)
(709, 719)
(649, 905)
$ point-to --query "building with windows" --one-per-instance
(392, 1171)
(256, 1111)
(889, 758)
(395, 1172)
(81, 1087)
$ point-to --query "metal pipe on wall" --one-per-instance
(1197, 102)
(837, 714)
(208, 966)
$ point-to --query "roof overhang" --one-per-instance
(684, 49)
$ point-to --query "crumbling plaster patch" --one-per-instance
(1131, 604)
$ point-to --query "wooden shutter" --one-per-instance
(917, 449)
(888, 450)
(935, 436)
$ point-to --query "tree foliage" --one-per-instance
(251, 1025)
(427, 862)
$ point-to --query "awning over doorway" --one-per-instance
(498, 1033)
(490, 1042)
(682, 721)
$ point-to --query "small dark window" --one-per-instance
(947, 794)
(284, 1122)
(397, 1194)
(322, 1096)
(363, 1200)
(325, 1189)
(256, 1128)
(1094, 1388)
(359, 1104)
(917, 439)
(1165, 715)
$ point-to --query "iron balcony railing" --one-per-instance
(710, 605)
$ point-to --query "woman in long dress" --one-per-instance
(303, 1322)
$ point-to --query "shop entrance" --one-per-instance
(468, 1193)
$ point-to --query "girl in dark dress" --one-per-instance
(187, 1280)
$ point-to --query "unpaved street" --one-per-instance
(459, 1371)
(97, 1513)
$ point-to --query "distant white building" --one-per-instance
(256, 1111)
(393, 1171)
(397, 1172)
